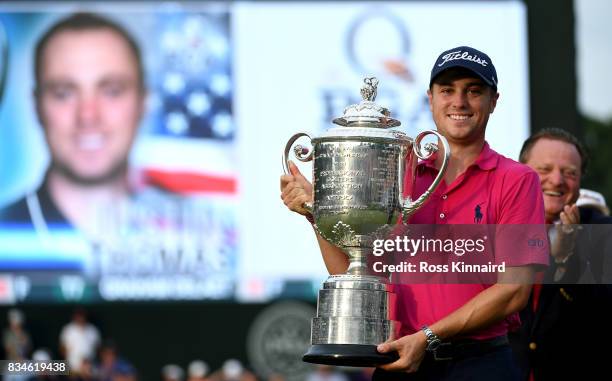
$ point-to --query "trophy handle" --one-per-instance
(301, 153)
(425, 153)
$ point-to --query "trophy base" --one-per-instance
(348, 355)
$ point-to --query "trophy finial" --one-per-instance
(367, 113)
(368, 91)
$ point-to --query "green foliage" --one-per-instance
(598, 141)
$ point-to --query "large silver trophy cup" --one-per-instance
(361, 172)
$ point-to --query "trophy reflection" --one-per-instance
(362, 170)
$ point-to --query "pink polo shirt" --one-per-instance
(504, 192)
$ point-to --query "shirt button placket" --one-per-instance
(442, 214)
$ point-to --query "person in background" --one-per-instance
(197, 371)
(172, 372)
(594, 208)
(112, 367)
(88, 371)
(554, 342)
(43, 354)
(16, 341)
(79, 340)
(233, 370)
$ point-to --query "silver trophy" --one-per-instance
(361, 171)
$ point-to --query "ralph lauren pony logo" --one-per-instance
(478, 214)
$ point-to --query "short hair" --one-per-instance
(80, 22)
(555, 134)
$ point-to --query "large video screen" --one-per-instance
(121, 184)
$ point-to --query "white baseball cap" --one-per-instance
(594, 200)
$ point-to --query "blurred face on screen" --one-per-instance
(558, 165)
(89, 103)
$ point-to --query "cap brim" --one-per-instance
(458, 64)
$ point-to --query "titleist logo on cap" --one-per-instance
(459, 55)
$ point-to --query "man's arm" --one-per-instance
(488, 307)
(63, 342)
(336, 261)
(295, 191)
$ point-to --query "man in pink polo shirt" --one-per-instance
(480, 187)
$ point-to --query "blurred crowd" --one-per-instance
(92, 357)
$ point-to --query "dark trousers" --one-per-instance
(496, 365)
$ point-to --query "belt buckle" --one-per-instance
(441, 348)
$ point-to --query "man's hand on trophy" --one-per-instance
(411, 350)
(296, 190)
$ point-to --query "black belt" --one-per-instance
(461, 349)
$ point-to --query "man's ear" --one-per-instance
(494, 99)
(430, 98)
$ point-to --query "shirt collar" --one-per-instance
(486, 160)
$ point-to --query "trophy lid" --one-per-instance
(365, 120)
(367, 113)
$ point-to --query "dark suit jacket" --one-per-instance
(560, 340)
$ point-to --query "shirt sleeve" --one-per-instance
(521, 237)
(522, 201)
